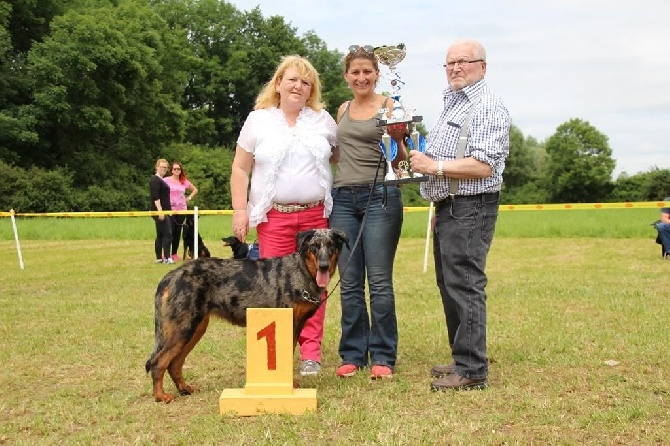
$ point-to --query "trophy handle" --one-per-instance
(415, 139)
(386, 139)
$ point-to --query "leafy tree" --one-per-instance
(209, 28)
(520, 166)
(209, 169)
(330, 67)
(236, 53)
(36, 189)
(107, 83)
(22, 24)
(647, 186)
(522, 176)
(579, 165)
(259, 46)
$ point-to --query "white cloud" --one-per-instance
(601, 61)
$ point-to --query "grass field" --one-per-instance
(568, 292)
(610, 223)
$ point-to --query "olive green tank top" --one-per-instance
(358, 141)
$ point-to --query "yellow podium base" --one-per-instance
(243, 404)
(269, 386)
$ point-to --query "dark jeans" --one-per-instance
(375, 334)
(163, 236)
(664, 235)
(177, 227)
(464, 229)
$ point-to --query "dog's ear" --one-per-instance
(303, 238)
(340, 238)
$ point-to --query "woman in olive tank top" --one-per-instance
(367, 339)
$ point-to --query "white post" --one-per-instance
(16, 238)
(425, 254)
(195, 232)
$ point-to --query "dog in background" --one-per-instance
(188, 295)
(188, 239)
(241, 250)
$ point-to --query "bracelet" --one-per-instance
(239, 210)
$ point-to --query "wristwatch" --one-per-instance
(440, 172)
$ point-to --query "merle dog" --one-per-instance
(188, 295)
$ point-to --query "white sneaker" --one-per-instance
(159, 260)
(169, 261)
(310, 368)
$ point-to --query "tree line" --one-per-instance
(92, 92)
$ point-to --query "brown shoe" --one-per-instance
(440, 371)
(458, 382)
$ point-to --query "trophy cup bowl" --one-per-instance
(391, 55)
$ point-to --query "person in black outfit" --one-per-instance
(160, 201)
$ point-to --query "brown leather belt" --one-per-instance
(296, 207)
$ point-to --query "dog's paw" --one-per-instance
(186, 390)
(164, 398)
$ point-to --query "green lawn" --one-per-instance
(76, 327)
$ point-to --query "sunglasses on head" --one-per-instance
(366, 48)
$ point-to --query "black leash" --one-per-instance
(360, 231)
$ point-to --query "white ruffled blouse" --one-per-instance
(291, 164)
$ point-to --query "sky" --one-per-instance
(601, 61)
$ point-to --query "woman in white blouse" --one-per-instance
(286, 145)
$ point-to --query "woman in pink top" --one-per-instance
(179, 185)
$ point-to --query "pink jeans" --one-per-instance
(276, 237)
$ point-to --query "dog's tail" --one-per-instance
(151, 362)
(158, 336)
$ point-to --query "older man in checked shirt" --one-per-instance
(465, 217)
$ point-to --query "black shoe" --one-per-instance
(458, 382)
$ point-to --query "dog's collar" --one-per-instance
(309, 298)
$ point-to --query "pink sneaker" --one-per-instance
(346, 370)
(175, 257)
(381, 371)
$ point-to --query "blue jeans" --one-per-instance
(463, 233)
(368, 338)
(664, 235)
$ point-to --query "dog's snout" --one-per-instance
(324, 257)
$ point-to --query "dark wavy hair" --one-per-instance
(182, 174)
(360, 53)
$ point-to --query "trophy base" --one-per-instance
(406, 120)
(407, 180)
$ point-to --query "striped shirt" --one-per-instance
(488, 139)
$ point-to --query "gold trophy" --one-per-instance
(391, 56)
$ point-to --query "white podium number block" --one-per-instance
(269, 385)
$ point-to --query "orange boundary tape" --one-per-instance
(503, 207)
